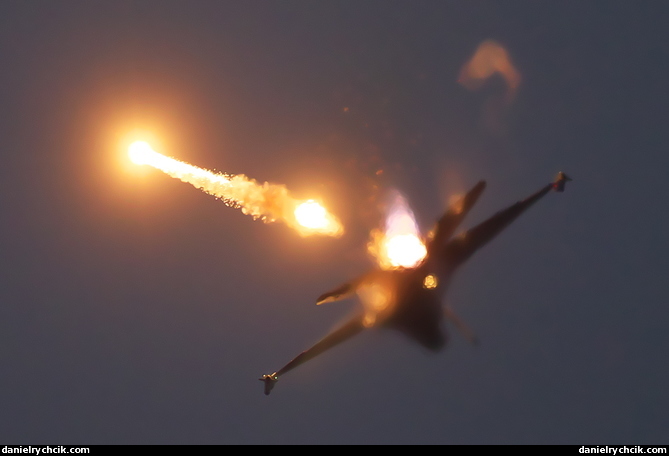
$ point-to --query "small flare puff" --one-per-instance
(490, 58)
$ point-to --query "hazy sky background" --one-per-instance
(136, 309)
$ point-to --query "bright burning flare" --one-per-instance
(140, 153)
(269, 202)
(313, 216)
(400, 245)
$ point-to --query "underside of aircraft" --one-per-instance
(410, 299)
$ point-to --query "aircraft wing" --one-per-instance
(461, 248)
(450, 221)
(339, 335)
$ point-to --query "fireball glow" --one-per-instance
(312, 215)
(375, 298)
(405, 250)
(268, 202)
(400, 245)
(140, 152)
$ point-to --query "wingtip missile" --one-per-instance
(269, 380)
(560, 181)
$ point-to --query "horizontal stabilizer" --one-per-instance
(341, 292)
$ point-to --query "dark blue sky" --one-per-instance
(136, 309)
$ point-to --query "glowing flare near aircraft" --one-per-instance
(430, 281)
(313, 216)
(269, 202)
(400, 245)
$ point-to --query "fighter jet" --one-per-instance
(410, 299)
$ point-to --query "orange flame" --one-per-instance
(377, 295)
(400, 245)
